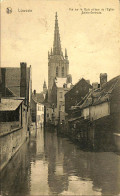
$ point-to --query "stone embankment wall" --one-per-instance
(10, 143)
(7, 127)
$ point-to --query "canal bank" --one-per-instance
(99, 135)
(48, 164)
(10, 144)
(14, 128)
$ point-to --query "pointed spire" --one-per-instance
(44, 87)
(56, 44)
(44, 84)
(56, 16)
(66, 56)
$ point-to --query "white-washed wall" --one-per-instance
(99, 111)
(85, 113)
(40, 115)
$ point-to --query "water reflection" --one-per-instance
(15, 178)
(51, 165)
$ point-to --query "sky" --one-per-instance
(92, 40)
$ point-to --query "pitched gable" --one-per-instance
(12, 79)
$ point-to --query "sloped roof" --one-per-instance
(87, 102)
(46, 98)
(38, 97)
(13, 79)
(76, 118)
(110, 85)
(9, 104)
(16, 98)
(82, 79)
(100, 95)
(107, 90)
(10, 91)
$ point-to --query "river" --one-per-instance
(48, 164)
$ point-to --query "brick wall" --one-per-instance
(9, 145)
(7, 127)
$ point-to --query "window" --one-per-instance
(9, 116)
(62, 71)
(56, 71)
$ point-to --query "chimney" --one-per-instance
(23, 80)
(34, 92)
(3, 84)
(95, 85)
(103, 79)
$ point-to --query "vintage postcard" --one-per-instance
(60, 97)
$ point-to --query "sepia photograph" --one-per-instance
(60, 98)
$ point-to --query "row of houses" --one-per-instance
(38, 109)
(64, 95)
(83, 99)
(15, 109)
(92, 113)
(85, 104)
(55, 109)
(101, 100)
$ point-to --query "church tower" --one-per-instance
(58, 64)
